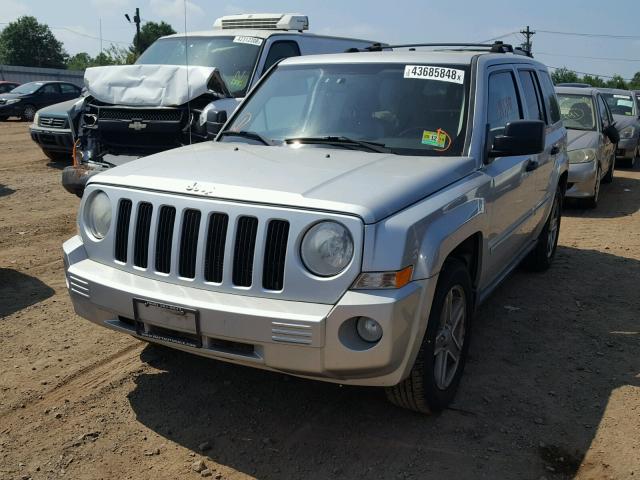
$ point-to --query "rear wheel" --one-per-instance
(28, 113)
(435, 376)
(541, 257)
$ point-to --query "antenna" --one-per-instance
(186, 60)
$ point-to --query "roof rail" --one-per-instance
(496, 47)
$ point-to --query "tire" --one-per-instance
(423, 390)
(592, 202)
(541, 257)
(608, 178)
(28, 113)
(4, 118)
(57, 156)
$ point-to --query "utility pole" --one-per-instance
(136, 20)
(100, 27)
(527, 43)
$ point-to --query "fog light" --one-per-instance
(369, 330)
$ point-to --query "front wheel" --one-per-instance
(28, 113)
(592, 201)
(435, 376)
(541, 257)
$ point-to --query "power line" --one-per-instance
(587, 73)
(594, 35)
(589, 58)
(86, 35)
(497, 38)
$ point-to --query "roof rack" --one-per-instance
(496, 47)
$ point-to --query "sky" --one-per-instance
(76, 23)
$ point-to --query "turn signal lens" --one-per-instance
(379, 280)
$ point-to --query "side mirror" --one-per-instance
(612, 133)
(521, 137)
(215, 120)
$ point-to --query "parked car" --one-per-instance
(574, 84)
(624, 107)
(592, 138)
(345, 224)
(7, 86)
(25, 100)
(50, 130)
(124, 117)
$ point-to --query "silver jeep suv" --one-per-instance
(344, 225)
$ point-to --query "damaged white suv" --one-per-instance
(344, 225)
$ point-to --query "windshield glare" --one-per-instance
(620, 104)
(577, 111)
(234, 57)
(27, 88)
(367, 102)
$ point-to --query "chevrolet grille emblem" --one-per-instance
(136, 125)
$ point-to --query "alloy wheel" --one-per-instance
(450, 337)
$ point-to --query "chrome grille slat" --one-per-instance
(53, 122)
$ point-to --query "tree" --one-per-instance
(564, 75)
(617, 82)
(149, 33)
(114, 55)
(28, 43)
(80, 61)
(634, 84)
(593, 81)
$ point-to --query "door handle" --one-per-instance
(531, 166)
(555, 150)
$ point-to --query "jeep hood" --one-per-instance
(147, 85)
(577, 139)
(369, 185)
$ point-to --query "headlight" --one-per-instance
(627, 132)
(98, 214)
(12, 100)
(582, 156)
(327, 249)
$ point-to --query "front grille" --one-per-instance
(201, 246)
(274, 255)
(143, 229)
(53, 122)
(149, 114)
(122, 230)
(244, 250)
(189, 243)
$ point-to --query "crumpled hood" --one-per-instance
(577, 139)
(370, 185)
(147, 85)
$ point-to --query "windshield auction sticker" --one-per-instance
(249, 40)
(428, 72)
(434, 139)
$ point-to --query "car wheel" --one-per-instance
(541, 257)
(28, 113)
(592, 202)
(57, 156)
(608, 178)
(436, 372)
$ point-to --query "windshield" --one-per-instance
(620, 104)
(27, 88)
(234, 57)
(577, 111)
(411, 110)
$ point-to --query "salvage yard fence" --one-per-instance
(31, 74)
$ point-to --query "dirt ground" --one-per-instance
(551, 390)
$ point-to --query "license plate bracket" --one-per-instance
(167, 322)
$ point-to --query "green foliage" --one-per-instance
(564, 75)
(79, 61)
(149, 33)
(28, 43)
(113, 55)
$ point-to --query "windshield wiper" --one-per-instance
(246, 134)
(341, 140)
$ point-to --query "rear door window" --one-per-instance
(550, 101)
(50, 89)
(69, 89)
(532, 95)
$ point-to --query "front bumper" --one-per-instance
(627, 148)
(310, 340)
(55, 140)
(11, 110)
(581, 180)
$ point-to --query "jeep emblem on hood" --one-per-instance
(137, 125)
